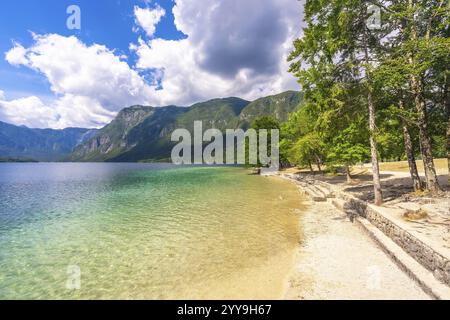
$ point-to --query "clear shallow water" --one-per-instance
(144, 231)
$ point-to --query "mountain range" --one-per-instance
(22, 143)
(140, 133)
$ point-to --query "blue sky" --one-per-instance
(153, 52)
(108, 22)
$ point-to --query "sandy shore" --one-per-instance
(337, 260)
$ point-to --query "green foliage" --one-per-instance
(142, 133)
(348, 147)
(300, 145)
(330, 63)
(307, 150)
(263, 123)
(278, 106)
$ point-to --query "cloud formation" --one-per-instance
(147, 18)
(232, 48)
(30, 111)
(90, 83)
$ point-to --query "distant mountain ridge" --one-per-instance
(139, 133)
(143, 133)
(20, 142)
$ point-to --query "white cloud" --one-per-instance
(87, 111)
(67, 111)
(30, 111)
(233, 47)
(71, 67)
(16, 55)
(2, 95)
(91, 83)
(148, 18)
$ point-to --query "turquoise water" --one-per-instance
(144, 231)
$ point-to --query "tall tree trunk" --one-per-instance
(348, 173)
(448, 140)
(409, 150)
(417, 184)
(373, 151)
(311, 167)
(318, 161)
(431, 179)
(372, 128)
(447, 108)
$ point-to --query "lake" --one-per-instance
(144, 231)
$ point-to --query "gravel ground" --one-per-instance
(337, 260)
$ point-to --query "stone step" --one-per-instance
(317, 197)
(423, 277)
(319, 191)
(326, 186)
(327, 192)
(305, 188)
(310, 187)
(432, 285)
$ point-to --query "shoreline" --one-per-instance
(336, 259)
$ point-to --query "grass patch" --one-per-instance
(415, 215)
(402, 166)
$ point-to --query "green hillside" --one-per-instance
(143, 133)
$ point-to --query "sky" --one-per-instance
(147, 52)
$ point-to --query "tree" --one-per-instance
(301, 144)
(391, 83)
(347, 148)
(343, 127)
(447, 109)
(307, 150)
(338, 43)
(263, 123)
(421, 30)
(338, 51)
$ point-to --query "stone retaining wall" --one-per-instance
(421, 252)
(417, 249)
(425, 255)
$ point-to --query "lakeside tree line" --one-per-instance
(372, 93)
